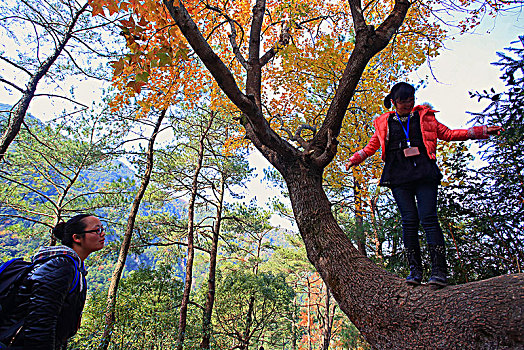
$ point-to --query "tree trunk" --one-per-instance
(378, 242)
(309, 316)
(126, 242)
(359, 218)
(244, 342)
(182, 321)
(211, 283)
(294, 328)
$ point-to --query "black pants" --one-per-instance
(417, 203)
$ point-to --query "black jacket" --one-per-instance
(47, 303)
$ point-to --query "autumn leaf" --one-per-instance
(112, 6)
(182, 54)
(118, 66)
(128, 23)
(143, 22)
(97, 8)
(136, 85)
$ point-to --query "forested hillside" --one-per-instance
(188, 92)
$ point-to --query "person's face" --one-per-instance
(94, 235)
(404, 107)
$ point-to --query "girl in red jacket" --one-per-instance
(408, 140)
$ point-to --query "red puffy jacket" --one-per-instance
(431, 131)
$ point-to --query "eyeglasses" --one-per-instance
(97, 231)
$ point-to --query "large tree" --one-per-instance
(389, 313)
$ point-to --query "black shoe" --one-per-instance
(415, 266)
(438, 265)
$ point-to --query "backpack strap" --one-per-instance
(77, 273)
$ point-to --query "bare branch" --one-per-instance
(12, 85)
(16, 65)
(63, 97)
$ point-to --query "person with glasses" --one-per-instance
(408, 137)
(51, 298)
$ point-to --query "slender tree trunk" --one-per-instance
(18, 115)
(378, 242)
(182, 321)
(294, 331)
(211, 282)
(328, 324)
(309, 326)
(359, 218)
(126, 241)
(249, 321)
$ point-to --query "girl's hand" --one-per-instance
(348, 165)
(494, 130)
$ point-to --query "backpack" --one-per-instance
(12, 274)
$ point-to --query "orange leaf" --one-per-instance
(136, 85)
(97, 7)
(118, 66)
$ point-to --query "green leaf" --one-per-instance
(143, 77)
(164, 59)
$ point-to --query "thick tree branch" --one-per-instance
(257, 127)
(367, 44)
(254, 72)
(283, 41)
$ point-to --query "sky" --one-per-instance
(465, 65)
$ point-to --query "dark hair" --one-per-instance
(64, 231)
(399, 91)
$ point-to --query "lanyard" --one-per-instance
(406, 131)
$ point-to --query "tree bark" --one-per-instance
(126, 242)
(378, 242)
(309, 316)
(359, 218)
(389, 313)
(246, 336)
